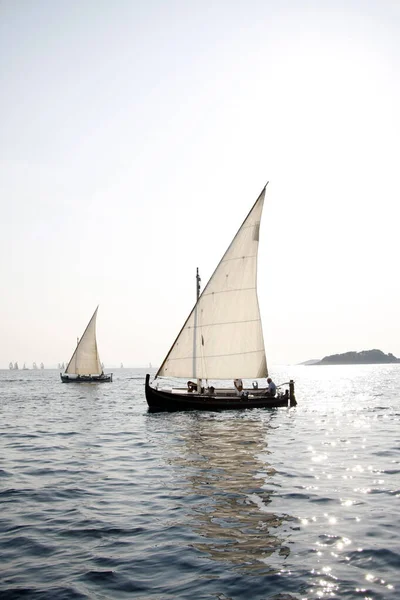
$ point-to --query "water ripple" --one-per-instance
(102, 500)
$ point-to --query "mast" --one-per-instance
(198, 282)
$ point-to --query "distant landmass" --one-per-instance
(312, 361)
(365, 357)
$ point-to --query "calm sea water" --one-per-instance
(100, 499)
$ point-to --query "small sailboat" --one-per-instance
(11, 366)
(85, 365)
(41, 365)
(222, 338)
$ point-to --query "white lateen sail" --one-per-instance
(222, 337)
(85, 360)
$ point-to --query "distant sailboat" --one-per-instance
(41, 365)
(85, 365)
(122, 366)
(222, 337)
(34, 366)
(11, 366)
(16, 365)
(25, 368)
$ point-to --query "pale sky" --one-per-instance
(134, 139)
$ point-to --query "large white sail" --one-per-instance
(222, 337)
(85, 360)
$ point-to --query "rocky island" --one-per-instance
(365, 357)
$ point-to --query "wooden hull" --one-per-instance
(162, 400)
(86, 378)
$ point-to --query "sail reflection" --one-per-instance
(226, 461)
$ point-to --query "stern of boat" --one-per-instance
(292, 397)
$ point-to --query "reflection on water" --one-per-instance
(226, 461)
(101, 499)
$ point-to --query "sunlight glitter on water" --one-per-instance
(220, 503)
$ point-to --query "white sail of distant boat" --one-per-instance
(16, 365)
(41, 365)
(222, 336)
(85, 362)
(34, 366)
(85, 359)
(11, 366)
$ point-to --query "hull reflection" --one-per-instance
(230, 488)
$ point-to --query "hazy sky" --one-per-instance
(134, 138)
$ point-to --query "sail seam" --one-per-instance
(224, 323)
(220, 355)
(238, 257)
(229, 291)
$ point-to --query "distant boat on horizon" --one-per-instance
(122, 366)
(85, 365)
(11, 366)
(16, 366)
(25, 368)
(41, 365)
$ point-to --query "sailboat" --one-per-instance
(85, 365)
(222, 337)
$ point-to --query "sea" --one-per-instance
(100, 499)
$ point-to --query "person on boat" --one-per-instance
(271, 388)
(238, 383)
(191, 386)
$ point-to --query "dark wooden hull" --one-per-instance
(87, 378)
(162, 400)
